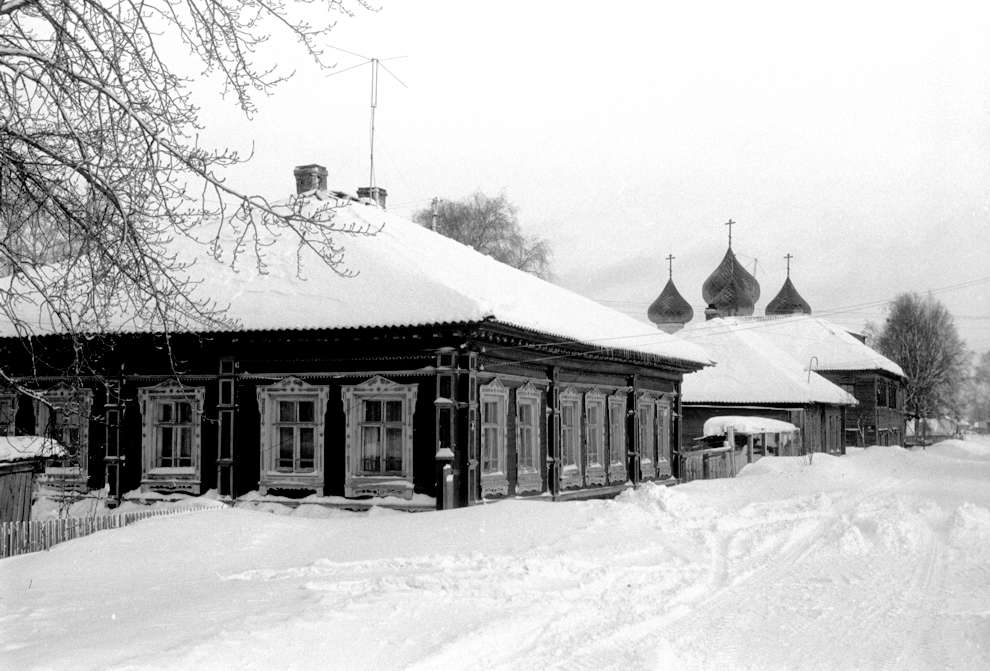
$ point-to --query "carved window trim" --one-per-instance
(617, 405)
(528, 475)
(291, 389)
(493, 437)
(357, 481)
(646, 425)
(151, 400)
(596, 428)
(58, 398)
(570, 438)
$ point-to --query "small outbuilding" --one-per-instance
(20, 458)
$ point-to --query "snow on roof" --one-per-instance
(17, 448)
(806, 337)
(406, 275)
(719, 426)
(751, 369)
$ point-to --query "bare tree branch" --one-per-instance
(100, 166)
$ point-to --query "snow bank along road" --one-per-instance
(876, 560)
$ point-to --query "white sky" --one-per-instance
(855, 136)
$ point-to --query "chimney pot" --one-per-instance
(312, 177)
(375, 193)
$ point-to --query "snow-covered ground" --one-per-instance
(876, 560)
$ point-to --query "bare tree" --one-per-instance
(920, 335)
(491, 226)
(100, 168)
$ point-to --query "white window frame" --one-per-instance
(357, 481)
(529, 477)
(595, 437)
(617, 406)
(153, 475)
(269, 398)
(646, 424)
(58, 398)
(492, 439)
(570, 439)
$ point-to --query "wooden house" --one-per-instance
(431, 355)
(754, 377)
(875, 381)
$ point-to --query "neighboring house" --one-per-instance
(20, 458)
(754, 377)
(354, 386)
(842, 358)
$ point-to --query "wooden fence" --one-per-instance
(23, 537)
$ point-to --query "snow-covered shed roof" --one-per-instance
(405, 275)
(718, 426)
(18, 448)
(819, 344)
(751, 369)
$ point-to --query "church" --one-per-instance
(847, 394)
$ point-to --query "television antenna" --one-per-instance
(376, 65)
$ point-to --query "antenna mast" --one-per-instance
(374, 104)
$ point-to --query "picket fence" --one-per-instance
(18, 538)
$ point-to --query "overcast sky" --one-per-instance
(853, 135)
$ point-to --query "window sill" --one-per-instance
(173, 471)
(378, 485)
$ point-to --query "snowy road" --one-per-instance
(876, 560)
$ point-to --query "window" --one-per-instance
(594, 409)
(493, 403)
(570, 430)
(617, 437)
(892, 395)
(646, 419)
(171, 430)
(8, 411)
(379, 439)
(528, 426)
(63, 415)
(295, 433)
(174, 433)
(881, 393)
(292, 434)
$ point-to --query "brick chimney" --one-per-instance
(375, 193)
(310, 177)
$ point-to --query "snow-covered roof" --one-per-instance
(751, 369)
(719, 426)
(406, 275)
(17, 448)
(819, 344)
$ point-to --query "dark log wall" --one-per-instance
(870, 422)
(335, 358)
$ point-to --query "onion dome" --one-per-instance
(788, 301)
(730, 289)
(670, 311)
